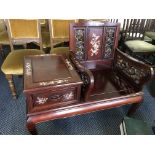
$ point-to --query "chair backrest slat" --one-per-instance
(135, 28)
(113, 20)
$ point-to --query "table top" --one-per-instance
(48, 70)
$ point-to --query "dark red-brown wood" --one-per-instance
(105, 81)
(93, 43)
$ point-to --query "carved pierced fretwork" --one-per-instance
(109, 42)
(118, 81)
(85, 79)
(135, 73)
(79, 36)
(83, 75)
(95, 42)
(86, 76)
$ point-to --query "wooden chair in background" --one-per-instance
(59, 35)
(150, 33)
(135, 28)
(113, 20)
(20, 32)
(4, 39)
(45, 35)
(133, 41)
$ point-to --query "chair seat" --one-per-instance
(107, 85)
(13, 63)
(140, 46)
(150, 34)
(60, 50)
(147, 39)
(4, 39)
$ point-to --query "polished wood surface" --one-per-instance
(94, 43)
(109, 88)
(107, 80)
(47, 87)
(126, 76)
(45, 69)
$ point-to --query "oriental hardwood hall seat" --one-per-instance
(106, 77)
(111, 77)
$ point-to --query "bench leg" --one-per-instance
(31, 127)
(133, 109)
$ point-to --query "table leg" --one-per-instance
(31, 127)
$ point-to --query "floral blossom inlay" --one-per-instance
(95, 42)
(68, 96)
(41, 100)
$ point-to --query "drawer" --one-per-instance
(54, 98)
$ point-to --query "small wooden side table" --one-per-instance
(50, 83)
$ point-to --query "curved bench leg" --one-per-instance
(31, 127)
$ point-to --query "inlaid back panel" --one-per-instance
(94, 42)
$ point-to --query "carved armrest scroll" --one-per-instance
(134, 70)
(86, 76)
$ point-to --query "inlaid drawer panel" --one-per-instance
(50, 97)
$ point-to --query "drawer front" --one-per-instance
(51, 99)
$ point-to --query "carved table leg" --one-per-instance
(11, 85)
(133, 109)
(31, 127)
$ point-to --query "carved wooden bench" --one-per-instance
(107, 77)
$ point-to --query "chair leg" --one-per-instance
(133, 109)
(11, 85)
(1, 51)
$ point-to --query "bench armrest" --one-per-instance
(86, 76)
(134, 70)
